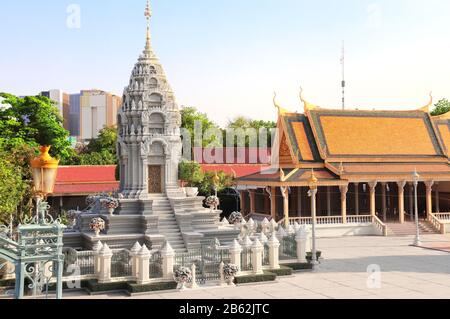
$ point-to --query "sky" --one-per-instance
(227, 57)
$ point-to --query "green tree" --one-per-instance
(245, 123)
(14, 188)
(441, 107)
(99, 151)
(190, 116)
(206, 186)
(33, 120)
(190, 173)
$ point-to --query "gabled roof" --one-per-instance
(300, 137)
(443, 129)
(380, 134)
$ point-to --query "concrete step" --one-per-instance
(408, 229)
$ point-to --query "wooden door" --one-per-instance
(155, 183)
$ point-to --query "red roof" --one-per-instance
(85, 180)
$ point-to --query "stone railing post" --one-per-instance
(273, 225)
(222, 276)
(265, 226)
(301, 238)
(104, 255)
(134, 259)
(235, 254)
(143, 265)
(274, 253)
(257, 251)
(167, 255)
(97, 247)
(194, 277)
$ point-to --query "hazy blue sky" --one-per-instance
(228, 56)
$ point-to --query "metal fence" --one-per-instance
(288, 247)
(206, 259)
(121, 264)
(246, 260)
(83, 261)
(155, 266)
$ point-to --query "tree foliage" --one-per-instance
(32, 120)
(190, 116)
(99, 151)
(441, 107)
(244, 123)
(15, 188)
(190, 172)
(206, 186)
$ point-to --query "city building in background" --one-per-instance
(87, 112)
(98, 109)
(62, 100)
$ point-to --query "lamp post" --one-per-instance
(416, 177)
(44, 178)
(312, 182)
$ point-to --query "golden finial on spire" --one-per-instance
(148, 15)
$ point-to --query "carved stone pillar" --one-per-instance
(429, 186)
(373, 188)
(344, 191)
(401, 200)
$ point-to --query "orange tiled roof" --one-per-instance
(375, 133)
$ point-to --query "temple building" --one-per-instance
(364, 162)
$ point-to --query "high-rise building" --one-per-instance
(62, 101)
(74, 116)
(98, 109)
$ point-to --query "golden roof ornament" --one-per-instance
(281, 110)
(308, 106)
(312, 181)
(427, 107)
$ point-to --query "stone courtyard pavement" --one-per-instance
(406, 272)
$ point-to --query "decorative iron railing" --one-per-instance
(155, 265)
(288, 247)
(246, 260)
(121, 264)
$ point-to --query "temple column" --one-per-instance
(299, 201)
(285, 193)
(328, 201)
(266, 202)
(252, 194)
(401, 201)
(383, 200)
(411, 201)
(373, 188)
(429, 186)
(344, 191)
(357, 199)
(273, 202)
(242, 200)
(437, 204)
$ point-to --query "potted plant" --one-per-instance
(309, 256)
(213, 202)
(229, 272)
(190, 174)
(235, 218)
(97, 225)
(110, 203)
(182, 276)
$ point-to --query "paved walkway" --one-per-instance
(405, 272)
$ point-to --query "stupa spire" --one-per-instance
(148, 15)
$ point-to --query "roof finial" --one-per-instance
(148, 15)
(427, 107)
(308, 106)
(281, 110)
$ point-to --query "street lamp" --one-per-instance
(416, 177)
(44, 176)
(312, 183)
